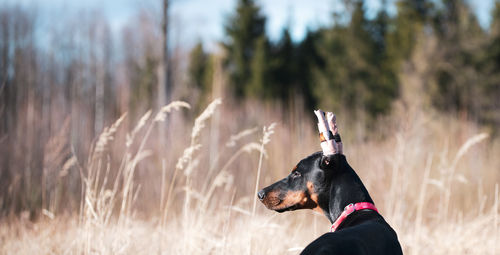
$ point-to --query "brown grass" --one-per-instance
(434, 178)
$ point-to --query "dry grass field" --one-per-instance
(434, 178)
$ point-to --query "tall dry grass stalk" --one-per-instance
(266, 138)
(434, 179)
(99, 198)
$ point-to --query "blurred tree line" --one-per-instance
(61, 84)
(59, 87)
(355, 65)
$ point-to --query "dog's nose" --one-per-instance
(261, 194)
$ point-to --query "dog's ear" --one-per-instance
(327, 162)
(332, 162)
(328, 133)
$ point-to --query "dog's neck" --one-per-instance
(345, 187)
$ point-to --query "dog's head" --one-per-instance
(304, 187)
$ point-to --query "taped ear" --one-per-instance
(332, 123)
(328, 133)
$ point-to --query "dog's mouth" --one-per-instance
(288, 208)
(278, 205)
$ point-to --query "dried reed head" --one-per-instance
(199, 124)
(140, 124)
(268, 131)
(235, 138)
(175, 105)
(108, 135)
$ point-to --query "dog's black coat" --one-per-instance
(330, 184)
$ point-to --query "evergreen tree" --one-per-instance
(308, 60)
(200, 76)
(408, 25)
(144, 81)
(328, 72)
(457, 82)
(384, 87)
(243, 31)
(355, 71)
(283, 67)
(259, 70)
(198, 68)
(491, 72)
(361, 48)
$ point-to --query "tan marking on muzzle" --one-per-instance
(293, 198)
(298, 200)
(271, 199)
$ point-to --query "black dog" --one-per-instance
(329, 185)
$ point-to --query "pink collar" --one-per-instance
(350, 208)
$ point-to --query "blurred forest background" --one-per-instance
(61, 86)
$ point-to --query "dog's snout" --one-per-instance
(261, 194)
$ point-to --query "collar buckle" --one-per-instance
(350, 208)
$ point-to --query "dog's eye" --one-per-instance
(296, 174)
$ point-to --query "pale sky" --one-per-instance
(195, 20)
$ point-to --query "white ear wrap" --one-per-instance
(328, 144)
(332, 122)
